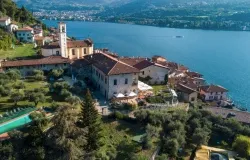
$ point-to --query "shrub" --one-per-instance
(147, 142)
(54, 106)
(242, 146)
(5, 91)
(65, 94)
(19, 85)
(141, 103)
(118, 115)
(155, 99)
(56, 73)
(36, 116)
(38, 75)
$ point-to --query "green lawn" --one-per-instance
(118, 137)
(157, 88)
(25, 50)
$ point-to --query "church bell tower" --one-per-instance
(63, 39)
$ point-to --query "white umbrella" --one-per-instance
(132, 94)
(119, 95)
(143, 86)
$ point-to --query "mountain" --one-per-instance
(9, 8)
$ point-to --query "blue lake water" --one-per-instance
(222, 56)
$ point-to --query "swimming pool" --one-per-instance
(20, 121)
(218, 156)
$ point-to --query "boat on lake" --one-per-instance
(179, 36)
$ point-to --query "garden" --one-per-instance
(34, 91)
(25, 50)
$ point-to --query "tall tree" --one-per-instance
(17, 96)
(91, 120)
(34, 143)
(37, 97)
(2, 9)
(65, 140)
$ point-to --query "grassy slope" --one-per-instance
(118, 137)
(6, 103)
(18, 51)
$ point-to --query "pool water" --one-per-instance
(6, 127)
(218, 156)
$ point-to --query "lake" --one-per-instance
(223, 57)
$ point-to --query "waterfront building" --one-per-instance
(72, 49)
(159, 59)
(213, 93)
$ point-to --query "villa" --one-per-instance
(112, 78)
(68, 48)
(213, 93)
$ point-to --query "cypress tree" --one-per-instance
(90, 120)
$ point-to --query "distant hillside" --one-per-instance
(9, 8)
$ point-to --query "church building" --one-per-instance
(72, 49)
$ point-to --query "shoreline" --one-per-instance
(131, 23)
(236, 105)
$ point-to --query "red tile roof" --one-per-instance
(2, 19)
(140, 63)
(182, 68)
(213, 88)
(82, 43)
(32, 62)
(132, 61)
(70, 44)
(143, 64)
(184, 88)
(25, 29)
(39, 38)
(110, 65)
(53, 45)
(194, 74)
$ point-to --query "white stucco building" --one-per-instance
(25, 34)
(5, 21)
(8, 24)
(68, 48)
(155, 71)
(111, 77)
(213, 93)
